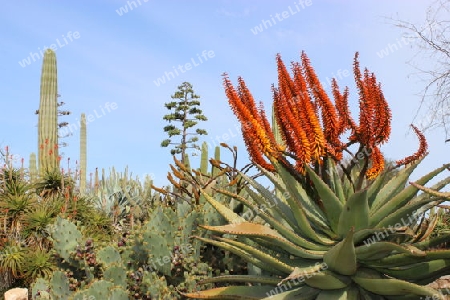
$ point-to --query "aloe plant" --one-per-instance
(330, 231)
(48, 115)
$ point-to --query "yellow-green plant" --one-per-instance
(331, 230)
(48, 116)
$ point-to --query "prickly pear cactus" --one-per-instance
(57, 288)
(109, 256)
(66, 237)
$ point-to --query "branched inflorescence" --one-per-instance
(310, 124)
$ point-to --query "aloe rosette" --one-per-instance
(330, 230)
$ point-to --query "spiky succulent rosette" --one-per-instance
(330, 230)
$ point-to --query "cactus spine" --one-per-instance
(83, 162)
(48, 115)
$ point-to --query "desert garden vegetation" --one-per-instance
(216, 231)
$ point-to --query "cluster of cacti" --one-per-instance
(83, 272)
(156, 259)
(48, 116)
(126, 200)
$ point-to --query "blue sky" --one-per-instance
(111, 54)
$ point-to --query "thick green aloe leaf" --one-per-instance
(301, 293)
(277, 267)
(260, 231)
(341, 258)
(282, 229)
(279, 209)
(233, 293)
(266, 280)
(417, 271)
(340, 294)
(375, 187)
(434, 242)
(328, 280)
(391, 286)
(226, 212)
(399, 260)
(335, 181)
(379, 250)
(355, 213)
(297, 208)
(391, 188)
(409, 214)
(401, 198)
(331, 203)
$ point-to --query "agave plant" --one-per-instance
(332, 231)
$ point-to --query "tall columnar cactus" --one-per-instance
(48, 115)
(32, 167)
(214, 169)
(204, 158)
(83, 162)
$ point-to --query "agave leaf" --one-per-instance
(247, 256)
(266, 280)
(299, 274)
(335, 181)
(391, 286)
(375, 188)
(417, 271)
(340, 294)
(331, 203)
(431, 191)
(382, 249)
(433, 219)
(301, 293)
(227, 213)
(392, 186)
(341, 258)
(410, 212)
(436, 187)
(362, 235)
(280, 210)
(328, 280)
(433, 242)
(402, 198)
(283, 230)
(298, 210)
(232, 293)
(399, 260)
(256, 230)
(265, 258)
(355, 213)
(296, 190)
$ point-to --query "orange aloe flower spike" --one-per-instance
(296, 139)
(341, 101)
(310, 120)
(255, 118)
(377, 164)
(285, 83)
(382, 115)
(423, 147)
(364, 129)
(249, 124)
(328, 111)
